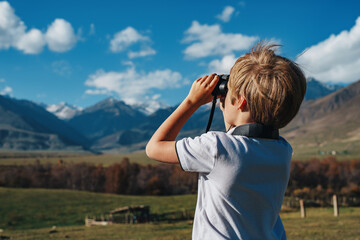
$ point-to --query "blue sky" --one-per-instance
(81, 52)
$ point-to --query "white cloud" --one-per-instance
(131, 85)
(31, 42)
(155, 97)
(143, 53)
(7, 91)
(11, 26)
(125, 38)
(60, 35)
(128, 63)
(209, 40)
(336, 59)
(222, 66)
(226, 14)
(97, 92)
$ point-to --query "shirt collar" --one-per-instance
(255, 130)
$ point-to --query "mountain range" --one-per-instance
(25, 125)
(329, 115)
(330, 123)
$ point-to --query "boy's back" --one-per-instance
(242, 177)
(242, 182)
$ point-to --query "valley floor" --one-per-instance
(320, 224)
(32, 213)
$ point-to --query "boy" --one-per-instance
(243, 173)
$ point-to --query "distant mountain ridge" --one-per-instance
(25, 125)
(113, 125)
(316, 89)
(105, 118)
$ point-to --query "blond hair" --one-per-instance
(273, 86)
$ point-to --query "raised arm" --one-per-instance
(161, 146)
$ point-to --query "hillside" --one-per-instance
(25, 125)
(328, 124)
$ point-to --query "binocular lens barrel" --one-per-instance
(221, 87)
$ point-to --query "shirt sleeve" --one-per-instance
(197, 154)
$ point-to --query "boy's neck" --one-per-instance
(243, 118)
(229, 126)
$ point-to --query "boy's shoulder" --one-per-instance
(201, 153)
(236, 139)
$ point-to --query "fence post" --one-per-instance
(335, 203)
(302, 209)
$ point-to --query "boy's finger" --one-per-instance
(214, 80)
(203, 79)
(213, 75)
(198, 80)
(209, 79)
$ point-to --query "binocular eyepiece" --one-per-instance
(221, 87)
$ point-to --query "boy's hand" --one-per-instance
(200, 92)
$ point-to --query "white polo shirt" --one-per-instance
(242, 182)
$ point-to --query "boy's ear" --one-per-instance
(242, 104)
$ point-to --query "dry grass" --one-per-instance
(31, 213)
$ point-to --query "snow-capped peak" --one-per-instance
(63, 110)
(316, 89)
(149, 106)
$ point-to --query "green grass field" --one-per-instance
(38, 208)
(31, 213)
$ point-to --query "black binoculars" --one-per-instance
(221, 87)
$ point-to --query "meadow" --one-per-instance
(38, 208)
(32, 213)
